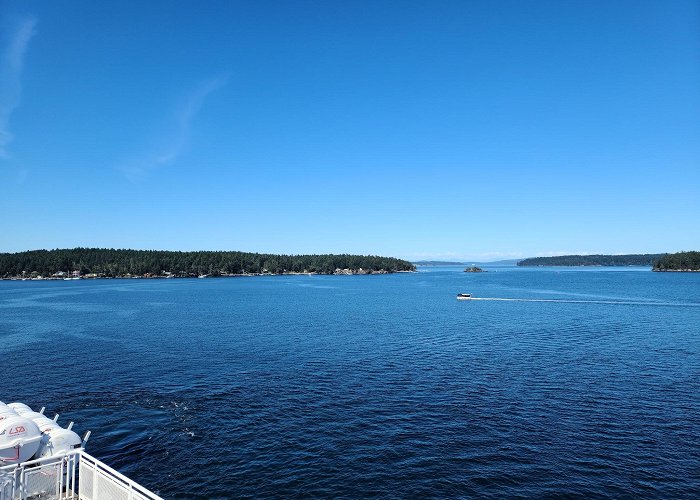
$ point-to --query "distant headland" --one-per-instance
(80, 263)
(681, 261)
(645, 259)
(437, 263)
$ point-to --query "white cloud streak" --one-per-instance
(137, 170)
(11, 65)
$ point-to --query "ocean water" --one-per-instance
(372, 386)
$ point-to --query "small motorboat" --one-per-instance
(464, 296)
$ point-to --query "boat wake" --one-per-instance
(574, 301)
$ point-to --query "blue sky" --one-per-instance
(451, 130)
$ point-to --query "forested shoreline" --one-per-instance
(125, 263)
(681, 261)
(646, 259)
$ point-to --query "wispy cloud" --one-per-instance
(11, 64)
(137, 169)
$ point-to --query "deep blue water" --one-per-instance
(372, 386)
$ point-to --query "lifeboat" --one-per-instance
(20, 439)
(26, 434)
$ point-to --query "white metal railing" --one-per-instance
(75, 475)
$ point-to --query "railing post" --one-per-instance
(75, 460)
(95, 494)
(16, 484)
(22, 486)
(59, 479)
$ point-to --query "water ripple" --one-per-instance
(384, 387)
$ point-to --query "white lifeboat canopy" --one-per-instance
(26, 434)
(6, 411)
(56, 441)
(20, 408)
(19, 440)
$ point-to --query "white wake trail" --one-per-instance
(570, 301)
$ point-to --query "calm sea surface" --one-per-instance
(372, 386)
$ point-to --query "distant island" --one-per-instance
(509, 262)
(646, 259)
(681, 261)
(474, 269)
(437, 263)
(80, 263)
(502, 263)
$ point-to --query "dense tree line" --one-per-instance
(681, 261)
(115, 263)
(646, 259)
